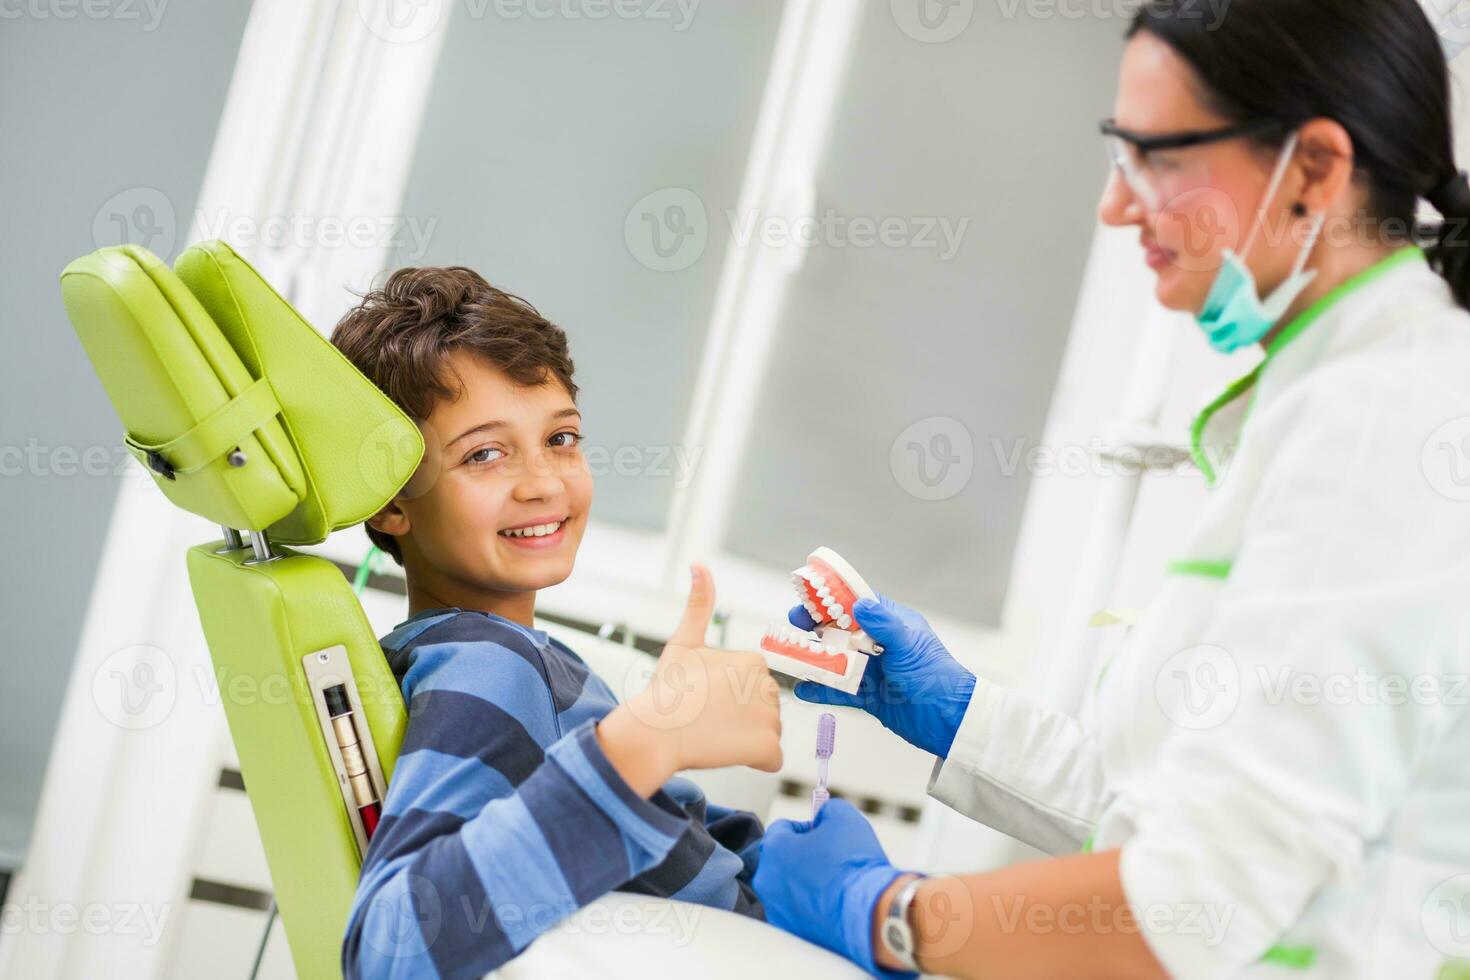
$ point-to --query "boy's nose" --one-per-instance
(540, 481)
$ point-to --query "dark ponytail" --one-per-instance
(1449, 240)
(1374, 66)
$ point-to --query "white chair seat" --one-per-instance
(637, 937)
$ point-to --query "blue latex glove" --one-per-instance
(916, 688)
(822, 880)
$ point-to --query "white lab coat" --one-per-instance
(1282, 748)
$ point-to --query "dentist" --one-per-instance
(1271, 779)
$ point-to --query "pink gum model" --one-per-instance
(836, 652)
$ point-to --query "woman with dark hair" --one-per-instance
(1270, 780)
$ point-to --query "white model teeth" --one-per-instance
(534, 531)
(834, 627)
(816, 598)
(795, 637)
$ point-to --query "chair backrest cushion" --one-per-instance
(243, 412)
(356, 447)
(173, 379)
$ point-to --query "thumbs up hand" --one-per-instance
(703, 709)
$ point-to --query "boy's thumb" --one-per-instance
(698, 610)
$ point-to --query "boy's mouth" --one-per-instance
(543, 533)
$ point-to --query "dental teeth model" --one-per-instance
(836, 652)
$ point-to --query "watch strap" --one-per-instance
(898, 931)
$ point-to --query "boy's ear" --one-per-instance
(392, 519)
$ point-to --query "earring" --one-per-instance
(1299, 209)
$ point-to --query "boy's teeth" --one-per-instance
(534, 531)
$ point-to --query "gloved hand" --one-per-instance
(916, 688)
(822, 880)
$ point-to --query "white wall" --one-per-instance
(102, 116)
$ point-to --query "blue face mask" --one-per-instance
(1235, 315)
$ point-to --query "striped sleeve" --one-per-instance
(487, 840)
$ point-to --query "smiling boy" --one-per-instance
(523, 790)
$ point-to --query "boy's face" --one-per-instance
(502, 462)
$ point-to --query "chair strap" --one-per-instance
(216, 434)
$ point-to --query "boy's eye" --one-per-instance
(483, 457)
(565, 440)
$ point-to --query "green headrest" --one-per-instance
(206, 360)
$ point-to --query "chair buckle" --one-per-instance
(159, 465)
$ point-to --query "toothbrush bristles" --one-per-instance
(826, 735)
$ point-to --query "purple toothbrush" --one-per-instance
(826, 742)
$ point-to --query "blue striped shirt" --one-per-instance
(503, 815)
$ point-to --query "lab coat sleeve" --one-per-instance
(1349, 588)
(1024, 770)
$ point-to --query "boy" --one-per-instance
(523, 790)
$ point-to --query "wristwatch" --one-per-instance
(898, 932)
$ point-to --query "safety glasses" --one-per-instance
(1157, 166)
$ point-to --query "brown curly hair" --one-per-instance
(401, 335)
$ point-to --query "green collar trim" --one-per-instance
(1453, 969)
(1314, 313)
(1293, 330)
(1197, 431)
(1201, 568)
(1292, 957)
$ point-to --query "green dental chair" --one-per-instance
(248, 417)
